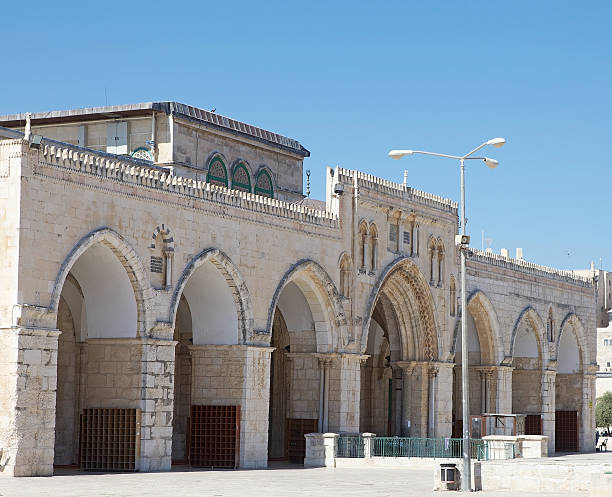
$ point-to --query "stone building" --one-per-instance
(167, 296)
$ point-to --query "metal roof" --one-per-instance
(188, 112)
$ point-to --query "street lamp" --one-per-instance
(463, 242)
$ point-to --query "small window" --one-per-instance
(406, 237)
(217, 174)
(143, 154)
(263, 184)
(241, 179)
(605, 341)
(608, 364)
(393, 233)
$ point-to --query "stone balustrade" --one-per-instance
(527, 267)
(134, 171)
(395, 190)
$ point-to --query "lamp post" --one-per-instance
(462, 241)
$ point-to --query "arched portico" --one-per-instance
(214, 367)
(485, 347)
(100, 297)
(532, 379)
(307, 328)
(401, 380)
(574, 423)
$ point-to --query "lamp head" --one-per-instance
(497, 142)
(398, 154)
(491, 163)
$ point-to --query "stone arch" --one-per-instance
(322, 297)
(537, 326)
(130, 261)
(487, 327)
(573, 321)
(418, 316)
(236, 283)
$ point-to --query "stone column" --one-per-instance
(344, 393)
(502, 377)
(443, 399)
(325, 361)
(28, 382)
(237, 375)
(586, 439)
(398, 402)
(157, 404)
(419, 399)
(255, 407)
(407, 393)
(548, 408)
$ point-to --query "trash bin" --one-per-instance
(449, 476)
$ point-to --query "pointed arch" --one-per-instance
(263, 182)
(572, 321)
(487, 327)
(238, 287)
(535, 323)
(346, 274)
(322, 297)
(414, 307)
(130, 261)
(241, 176)
(217, 171)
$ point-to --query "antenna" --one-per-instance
(405, 177)
(308, 182)
(105, 97)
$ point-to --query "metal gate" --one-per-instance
(566, 431)
(533, 424)
(110, 439)
(214, 436)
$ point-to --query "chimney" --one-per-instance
(505, 253)
(519, 253)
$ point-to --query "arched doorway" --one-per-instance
(483, 360)
(304, 370)
(569, 386)
(96, 366)
(399, 381)
(531, 390)
(210, 408)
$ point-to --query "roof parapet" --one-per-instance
(526, 267)
(128, 170)
(396, 190)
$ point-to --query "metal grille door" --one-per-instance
(566, 431)
(214, 436)
(533, 424)
(296, 442)
(110, 439)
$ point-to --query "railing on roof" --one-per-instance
(142, 173)
(396, 190)
(527, 267)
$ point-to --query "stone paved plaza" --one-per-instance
(285, 480)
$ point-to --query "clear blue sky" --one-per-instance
(351, 80)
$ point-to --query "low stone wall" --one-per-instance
(532, 476)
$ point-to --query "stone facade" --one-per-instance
(169, 291)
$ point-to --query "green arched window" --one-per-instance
(241, 180)
(217, 174)
(263, 184)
